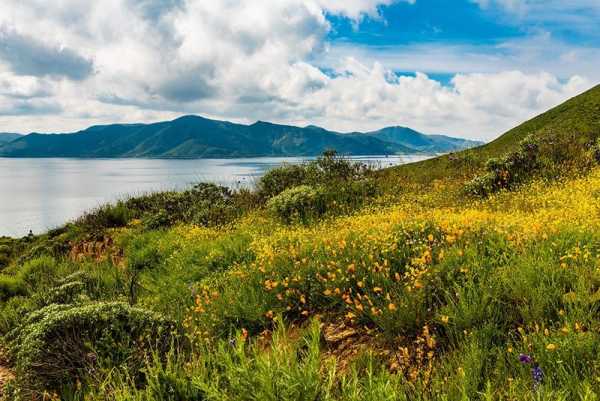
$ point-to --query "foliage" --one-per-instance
(327, 170)
(10, 286)
(301, 202)
(596, 150)
(277, 180)
(60, 343)
(507, 172)
(107, 216)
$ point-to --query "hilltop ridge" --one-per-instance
(199, 137)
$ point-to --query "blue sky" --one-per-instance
(470, 68)
(427, 21)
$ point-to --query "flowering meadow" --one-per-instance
(483, 299)
(452, 279)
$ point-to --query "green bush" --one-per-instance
(38, 272)
(107, 216)
(4, 260)
(596, 150)
(157, 220)
(69, 293)
(279, 179)
(204, 204)
(10, 286)
(329, 170)
(507, 172)
(60, 344)
(300, 202)
(7, 251)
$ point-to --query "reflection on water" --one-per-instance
(38, 194)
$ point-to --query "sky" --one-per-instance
(467, 68)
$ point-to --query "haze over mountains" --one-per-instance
(6, 137)
(198, 137)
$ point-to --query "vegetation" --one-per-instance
(329, 282)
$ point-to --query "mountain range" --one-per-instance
(198, 137)
(6, 137)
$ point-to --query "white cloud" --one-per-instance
(248, 60)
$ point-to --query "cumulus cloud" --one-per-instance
(147, 60)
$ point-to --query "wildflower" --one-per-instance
(525, 359)
(392, 307)
(445, 319)
(537, 374)
(551, 347)
(269, 314)
(327, 292)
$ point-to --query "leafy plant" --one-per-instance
(60, 344)
(299, 203)
(507, 172)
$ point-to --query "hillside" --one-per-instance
(6, 137)
(197, 137)
(329, 282)
(570, 128)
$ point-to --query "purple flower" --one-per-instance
(538, 376)
(525, 359)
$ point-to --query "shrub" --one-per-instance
(4, 249)
(4, 260)
(327, 170)
(107, 216)
(10, 286)
(596, 150)
(299, 202)
(279, 179)
(38, 272)
(204, 204)
(507, 172)
(58, 345)
(157, 220)
(69, 293)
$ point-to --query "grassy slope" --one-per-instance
(579, 116)
(421, 296)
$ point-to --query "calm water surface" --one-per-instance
(39, 194)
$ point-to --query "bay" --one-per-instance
(40, 194)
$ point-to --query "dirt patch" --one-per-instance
(6, 374)
(100, 251)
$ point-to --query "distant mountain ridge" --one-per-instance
(6, 137)
(198, 137)
(425, 143)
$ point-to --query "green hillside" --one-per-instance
(570, 127)
(473, 276)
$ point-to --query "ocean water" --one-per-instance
(40, 194)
